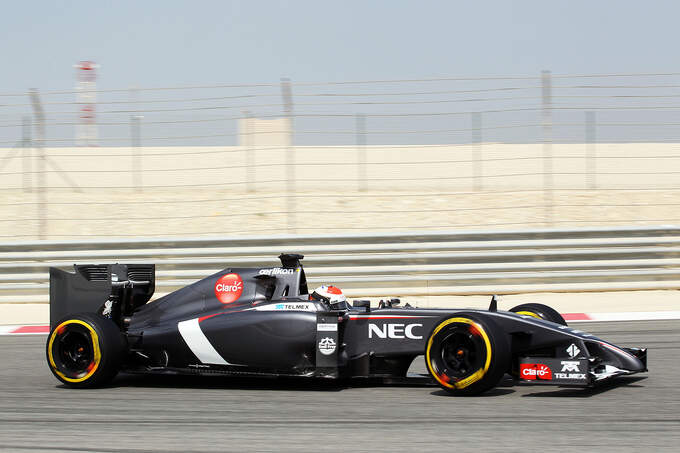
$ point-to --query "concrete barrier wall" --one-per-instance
(398, 264)
(454, 167)
(153, 191)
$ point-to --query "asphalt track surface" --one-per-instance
(171, 414)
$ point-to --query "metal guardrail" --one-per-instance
(382, 264)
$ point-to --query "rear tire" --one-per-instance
(540, 311)
(467, 354)
(85, 350)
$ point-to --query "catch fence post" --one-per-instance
(548, 183)
(591, 162)
(41, 186)
(249, 151)
(361, 152)
(287, 95)
(476, 126)
(26, 151)
(136, 141)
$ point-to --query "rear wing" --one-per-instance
(91, 286)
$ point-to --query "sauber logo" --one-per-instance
(398, 331)
(573, 350)
(533, 371)
(228, 288)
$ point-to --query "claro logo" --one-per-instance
(535, 371)
(395, 331)
(228, 288)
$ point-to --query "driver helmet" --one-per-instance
(330, 294)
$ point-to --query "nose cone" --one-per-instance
(641, 355)
(631, 359)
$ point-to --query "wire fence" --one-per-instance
(437, 153)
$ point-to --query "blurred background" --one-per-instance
(416, 150)
(285, 157)
(238, 118)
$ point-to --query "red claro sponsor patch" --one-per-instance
(228, 288)
(535, 371)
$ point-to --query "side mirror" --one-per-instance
(362, 303)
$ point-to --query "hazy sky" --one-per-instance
(172, 43)
(160, 43)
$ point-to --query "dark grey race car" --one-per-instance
(260, 321)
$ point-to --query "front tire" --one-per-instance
(85, 350)
(540, 311)
(467, 354)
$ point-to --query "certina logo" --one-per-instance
(276, 271)
(398, 331)
(570, 366)
(327, 346)
(534, 371)
(228, 288)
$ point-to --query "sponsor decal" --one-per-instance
(557, 371)
(327, 327)
(578, 376)
(299, 306)
(535, 371)
(397, 331)
(294, 306)
(108, 306)
(327, 346)
(570, 366)
(573, 350)
(228, 288)
(276, 271)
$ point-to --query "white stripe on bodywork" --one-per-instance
(198, 343)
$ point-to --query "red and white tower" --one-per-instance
(86, 98)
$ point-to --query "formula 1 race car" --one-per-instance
(261, 322)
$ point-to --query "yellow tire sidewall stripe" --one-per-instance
(529, 313)
(95, 349)
(477, 375)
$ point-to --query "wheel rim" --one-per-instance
(461, 353)
(74, 351)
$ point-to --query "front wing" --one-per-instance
(577, 372)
